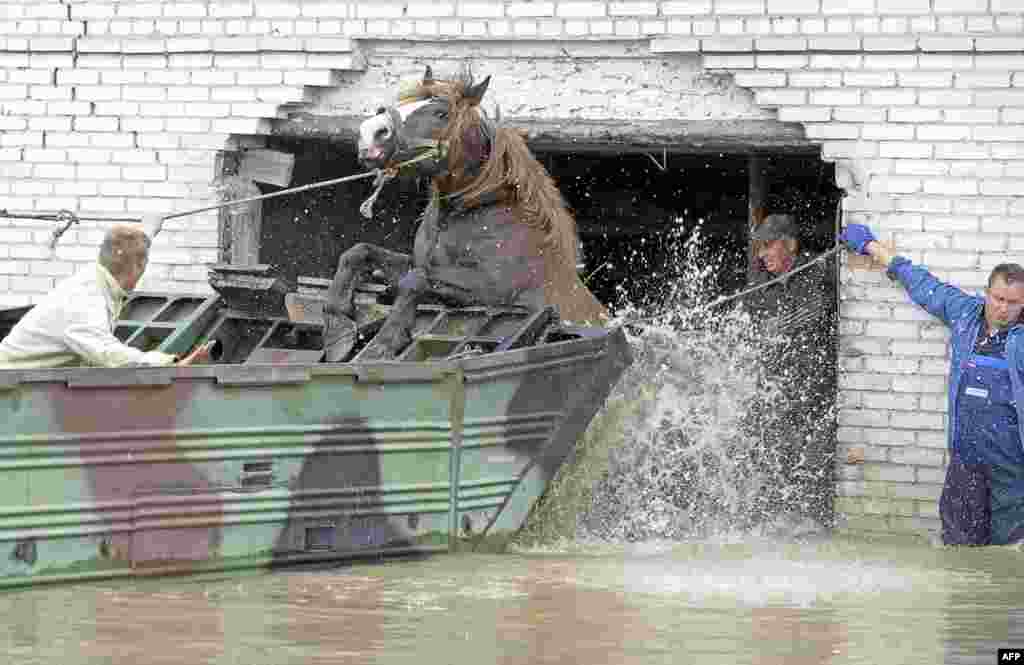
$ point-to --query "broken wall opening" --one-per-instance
(635, 210)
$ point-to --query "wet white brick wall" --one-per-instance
(114, 109)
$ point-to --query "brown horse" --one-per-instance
(496, 231)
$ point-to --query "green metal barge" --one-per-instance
(269, 456)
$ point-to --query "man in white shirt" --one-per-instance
(74, 324)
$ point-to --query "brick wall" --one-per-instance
(113, 109)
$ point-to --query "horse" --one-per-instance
(496, 231)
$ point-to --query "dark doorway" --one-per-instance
(634, 212)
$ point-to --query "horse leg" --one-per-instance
(355, 266)
(396, 333)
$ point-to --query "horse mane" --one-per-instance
(510, 174)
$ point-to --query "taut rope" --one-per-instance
(67, 218)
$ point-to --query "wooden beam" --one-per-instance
(240, 225)
(757, 189)
(271, 167)
(573, 135)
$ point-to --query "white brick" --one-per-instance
(971, 115)
(759, 79)
(676, 45)
(633, 8)
(734, 61)
(786, 25)
(789, 7)
(890, 401)
(1000, 133)
(1002, 187)
(962, 151)
(951, 260)
(627, 28)
(914, 114)
(805, 114)
(890, 62)
(859, 114)
(899, 185)
(987, 79)
(918, 167)
(832, 131)
(869, 79)
(925, 79)
(847, 7)
(1013, 97)
(945, 61)
(890, 44)
(815, 79)
(530, 9)
(845, 97)
(997, 43)
(781, 97)
(781, 44)
(964, 169)
(935, 349)
(686, 7)
(890, 97)
(14, 139)
(888, 132)
(849, 149)
(984, 242)
(782, 61)
(943, 132)
(952, 223)
(1007, 150)
(891, 329)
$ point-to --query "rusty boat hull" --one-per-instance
(270, 457)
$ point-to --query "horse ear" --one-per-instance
(475, 92)
(428, 76)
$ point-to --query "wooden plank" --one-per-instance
(272, 167)
(755, 205)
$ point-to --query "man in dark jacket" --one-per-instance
(794, 320)
(982, 499)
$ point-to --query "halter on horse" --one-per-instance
(496, 231)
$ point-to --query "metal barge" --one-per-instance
(270, 456)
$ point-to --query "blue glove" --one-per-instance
(857, 237)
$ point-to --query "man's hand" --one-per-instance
(199, 354)
(857, 237)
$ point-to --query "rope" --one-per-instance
(775, 280)
(67, 217)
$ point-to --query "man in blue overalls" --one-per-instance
(982, 501)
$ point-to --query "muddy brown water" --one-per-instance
(832, 601)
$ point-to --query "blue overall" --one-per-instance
(983, 497)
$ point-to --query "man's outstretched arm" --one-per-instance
(938, 298)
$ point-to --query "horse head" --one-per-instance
(438, 115)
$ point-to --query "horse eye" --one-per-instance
(441, 113)
(380, 110)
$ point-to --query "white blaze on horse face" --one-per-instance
(375, 132)
(372, 133)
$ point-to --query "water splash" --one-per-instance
(684, 447)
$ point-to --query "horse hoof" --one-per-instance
(340, 335)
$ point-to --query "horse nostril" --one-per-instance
(382, 134)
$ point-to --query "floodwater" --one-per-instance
(831, 601)
(672, 597)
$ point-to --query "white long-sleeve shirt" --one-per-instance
(74, 325)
